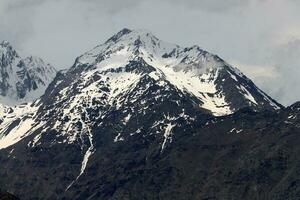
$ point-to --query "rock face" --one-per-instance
(7, 196)
(139, 118)
(22, 79)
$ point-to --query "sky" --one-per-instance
(260, 37)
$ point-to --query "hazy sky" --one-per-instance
(260, 37)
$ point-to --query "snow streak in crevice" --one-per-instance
(89, 151)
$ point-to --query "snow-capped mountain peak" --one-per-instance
(190, 69)
(22, 79)
(128, 44)
(131, 72)
(5, 44)
(125, 45)
(7, 54)
(127, 34)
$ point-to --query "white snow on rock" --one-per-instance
(167, 135)
(22, 79)
(10, 115)
(192, 70)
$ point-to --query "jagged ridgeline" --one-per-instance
(139, 118)
(22, 79)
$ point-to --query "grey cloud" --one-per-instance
(286, 60)
(21, 4)
(114, 6)
(214, 5)
(16, 25)
(207, 5)
(279, 76)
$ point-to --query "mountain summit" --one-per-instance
(220, 88)
(127, 120)
(22, 79)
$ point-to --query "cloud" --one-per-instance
(213, 5)
(21, 4)
(258, 72)
(209, 5)
(279, 75)
(16, 24)
(285, 58)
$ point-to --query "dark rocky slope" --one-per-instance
(247, 155)
(7, 196)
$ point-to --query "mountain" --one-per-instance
(22, 79)
(220, 88)
(139, 118)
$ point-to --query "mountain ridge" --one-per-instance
(129, 44)
(22, 79)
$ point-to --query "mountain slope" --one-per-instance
(123, 115)
(231, 157)
(246, 155)
(22, 79)
(7, 196)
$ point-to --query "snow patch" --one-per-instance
(167, 135)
